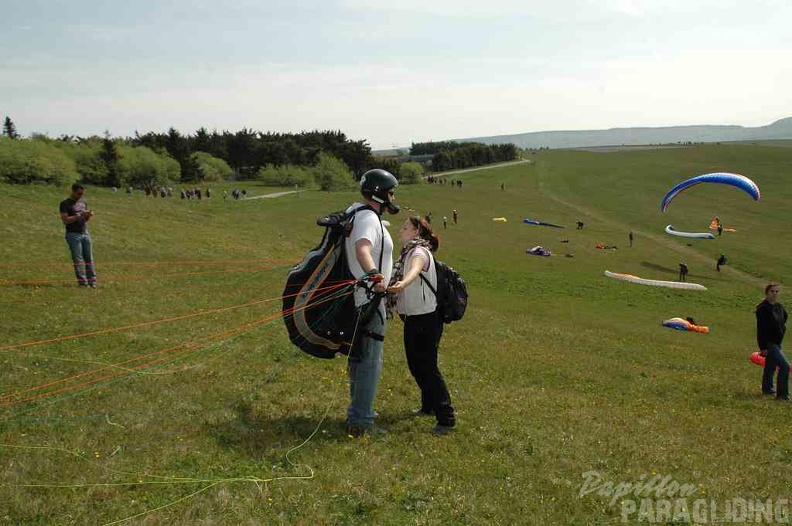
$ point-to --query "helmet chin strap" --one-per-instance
(392, 208)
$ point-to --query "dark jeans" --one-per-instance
(421, 340)
(776, 358)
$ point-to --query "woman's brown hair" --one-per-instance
(425, 232)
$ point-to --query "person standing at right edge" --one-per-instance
(369, 253)
(414, 283)
(75, 215)
(771, 317)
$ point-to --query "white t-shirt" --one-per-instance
(366, 225)
(417, 298)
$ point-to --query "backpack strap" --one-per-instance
(369, 289)
(434, 290)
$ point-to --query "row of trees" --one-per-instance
(327, 159)
(474, 155)
(94, 161)
(448, 155)
(248, 151)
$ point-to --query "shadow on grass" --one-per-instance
(660, 268)
(260, 434)
(675, 272)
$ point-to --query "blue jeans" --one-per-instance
(776, 358)
(82, 256)
(364, 375)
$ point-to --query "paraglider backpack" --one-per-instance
(320, 315)
(451, 292)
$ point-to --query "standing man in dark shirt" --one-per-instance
(75, 214)
(771, 318)
(683, 272)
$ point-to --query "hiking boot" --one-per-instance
(355, 431)
(442, 430)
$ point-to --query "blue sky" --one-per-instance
(393, 72)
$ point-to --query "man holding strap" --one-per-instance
(369, 253)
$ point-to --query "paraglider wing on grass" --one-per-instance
(529, 221)
(695, 235)
(655, 282)
(682, 324)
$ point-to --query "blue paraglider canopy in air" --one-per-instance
(736, 180)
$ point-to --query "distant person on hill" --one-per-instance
(244, 193)
(503, 186)
(75, 215)
(208, 194)
(182, 194)
(459, 183)
(631, 238)
(771, 318)
(720, 230)
(580, 225)
(445, 222)
(414, 279)
(683, 272)
(129, 189)
(721, 261)
(455, 215)
(225, 195)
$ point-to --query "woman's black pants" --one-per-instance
(422, 335)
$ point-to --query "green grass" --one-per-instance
(555, 370)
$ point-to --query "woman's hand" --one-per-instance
(396, 288)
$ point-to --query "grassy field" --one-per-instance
(555, 371)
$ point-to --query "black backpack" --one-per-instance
(321, 316)
(451, 292)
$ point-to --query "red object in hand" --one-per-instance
(757, 358)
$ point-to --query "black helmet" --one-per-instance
(375, 185)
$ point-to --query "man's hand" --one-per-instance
(763, 353)
(377, 280)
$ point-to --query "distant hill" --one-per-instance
(781, 129)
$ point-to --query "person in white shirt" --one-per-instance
(414, 283)
(369, 253)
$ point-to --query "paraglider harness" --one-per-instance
(319, 324)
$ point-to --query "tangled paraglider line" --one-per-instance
(333, 293)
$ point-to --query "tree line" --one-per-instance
(450, 155)
(327, 159)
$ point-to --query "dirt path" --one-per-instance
(273, 195)
(476, 169)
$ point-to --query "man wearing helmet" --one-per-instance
(369, 253)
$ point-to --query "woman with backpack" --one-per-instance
(412, 285)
